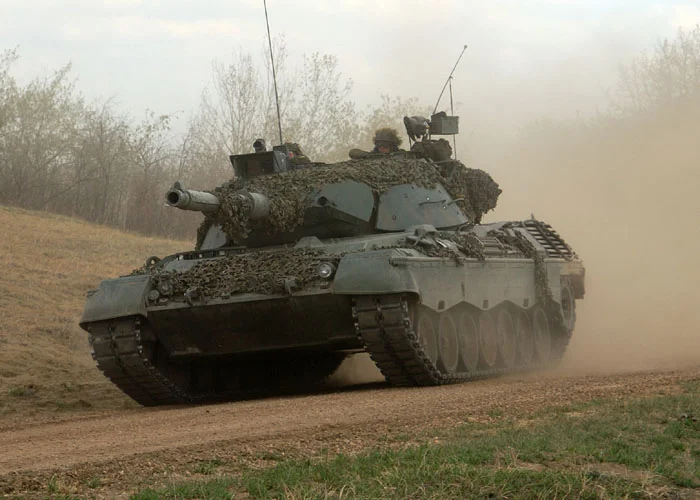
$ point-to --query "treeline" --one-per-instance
(59, 153)
(89, 160)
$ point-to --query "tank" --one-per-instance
(299, 264)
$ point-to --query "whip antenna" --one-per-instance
(449, 79)
(274, 76)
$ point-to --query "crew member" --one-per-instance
(386, 140)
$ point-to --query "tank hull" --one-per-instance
(424, 318)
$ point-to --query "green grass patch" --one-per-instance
(207, 467)
(633, 449)
(21, 391)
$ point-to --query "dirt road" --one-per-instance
(128, 448)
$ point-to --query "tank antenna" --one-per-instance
(449, 79)
(274, 76)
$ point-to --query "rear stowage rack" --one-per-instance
(549, 239)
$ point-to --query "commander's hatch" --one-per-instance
(251, 165)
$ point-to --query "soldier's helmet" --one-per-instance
(387, 135)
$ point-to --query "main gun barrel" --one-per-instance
(251, 205)
(189, 199)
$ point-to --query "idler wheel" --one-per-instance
(448, 343)
(488, 340)
(568, 305)
(541, 335)
(524, 334)
(468, 341)
(507, 342)
(425, 331)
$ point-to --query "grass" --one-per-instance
(645, 448)
(21, 392)
(48, 263)
(208, 467)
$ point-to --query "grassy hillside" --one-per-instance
(48, 263)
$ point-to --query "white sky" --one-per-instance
(554, 55)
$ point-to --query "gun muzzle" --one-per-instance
(189, 199)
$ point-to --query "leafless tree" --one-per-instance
(668, 76)
(36, 140)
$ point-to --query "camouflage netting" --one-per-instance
(289, 192)
(257, 272)
(478, 189)
(469, 245)
(466, 245)
(542, 289)
(437, 150)
(267, 272)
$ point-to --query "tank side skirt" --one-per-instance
(383, 323)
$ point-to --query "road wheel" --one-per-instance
(488, 340)
(568, 305)
(425, 331)
(524, 334)
(448, 343)
(542, 335)
(507, 344)
(468, 341)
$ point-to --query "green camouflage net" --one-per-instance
(479, 191)
(257, 272)
(267, 272)
(289, 192)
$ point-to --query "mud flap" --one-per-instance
(373, 273)
(116, 298)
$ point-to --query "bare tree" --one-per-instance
(670, 75)
(322, 117)
(151, 157)
(389, 113)
(100, 169)
(315, 108)
(36, 140)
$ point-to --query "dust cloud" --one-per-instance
(625, 193)
(356, 369)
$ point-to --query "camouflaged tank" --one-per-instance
(299, 265)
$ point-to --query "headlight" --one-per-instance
(165, 288)
(325, 270)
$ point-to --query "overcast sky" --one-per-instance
(553, 55)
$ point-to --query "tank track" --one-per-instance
(384, 325)
(120, 353)
(123, 349)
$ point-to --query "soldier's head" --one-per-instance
(386, 140)
(259, 146)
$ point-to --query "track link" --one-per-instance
(121, 354)
(123, 349)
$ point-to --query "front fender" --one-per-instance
(116, 298)
(371, 272)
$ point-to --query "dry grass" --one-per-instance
(48, 263)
